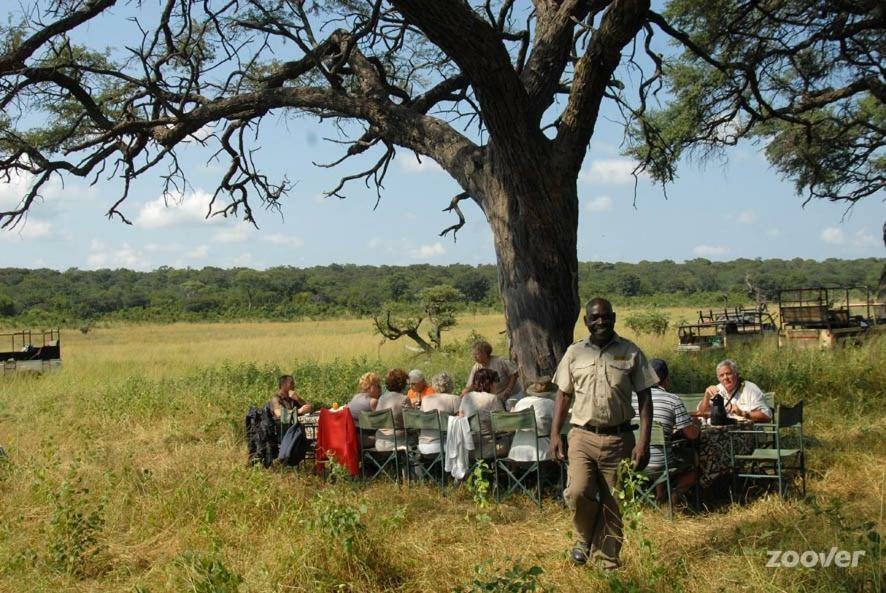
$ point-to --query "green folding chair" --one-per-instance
(372, 461)
(776, 462)
(518, 473)
(426, 466)
(671, 468)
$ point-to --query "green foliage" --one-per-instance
(516, 579)
(648, 322)
(337, 521)
(75, 528)
(208, 574)
(478, 485)
(76, 298)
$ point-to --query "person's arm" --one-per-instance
(640, 455)
(704, 406)
(469, 387)
(690, 432)
(276, 406)
(556, 450)
(509, 387)
(753, 415)
(373, 403)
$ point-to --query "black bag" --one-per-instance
(294, 445)
(718, 412)
(261, 436)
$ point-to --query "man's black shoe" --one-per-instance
(579, 555)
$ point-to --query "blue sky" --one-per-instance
(719, 210)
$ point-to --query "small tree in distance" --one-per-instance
(437, 305)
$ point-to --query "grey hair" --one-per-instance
(416, 375)
(442, 383)
(728, 363)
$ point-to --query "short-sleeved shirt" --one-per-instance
(482, 404)
(447, 405)
(601, 380)
(504, 368)
(384, 437)
(748, 397)
(414, 396)
(523, 445)
(669, 411)
(360, 403)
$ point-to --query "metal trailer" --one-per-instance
(825, 317)
(726, 328)
(36, 351)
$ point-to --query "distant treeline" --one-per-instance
(167, 294)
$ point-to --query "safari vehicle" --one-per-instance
(36, 351)
(827, 317)
(726, 328)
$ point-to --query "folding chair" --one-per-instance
(380, 461)
(517, 472)
(428, 466)
(671, 468)
(779, 459)
(481, 454)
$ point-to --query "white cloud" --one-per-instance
(281, 239)
(599, 204)
(199, 252)
(747, 217)
(429, 251)
(239, 233)
(773, 232)
(28, 230)
(12, 192)
(374, 243)
(177, 210)
(124, 256)
(162, 247)
(617, 171)
(710, 250)
(833, 235)
(410, 164)
(863, 239)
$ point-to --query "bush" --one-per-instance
(648, 322)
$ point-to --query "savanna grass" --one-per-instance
(126, 472)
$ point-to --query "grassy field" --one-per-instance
(126, 472)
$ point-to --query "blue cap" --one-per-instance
(660, 367)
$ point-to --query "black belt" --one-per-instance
(626, 427)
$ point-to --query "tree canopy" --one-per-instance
(504, 95)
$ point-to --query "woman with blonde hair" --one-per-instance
(366, 400)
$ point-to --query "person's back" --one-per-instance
(483, 404)
(384, 437)
(360, 403)
(523, 444)
(446, 404)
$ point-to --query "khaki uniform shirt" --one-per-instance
(602, 380)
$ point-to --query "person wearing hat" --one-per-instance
(539, 396)
(596, 378)
(669, 411)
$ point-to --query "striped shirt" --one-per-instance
(669, 411)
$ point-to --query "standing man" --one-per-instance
(595, 379)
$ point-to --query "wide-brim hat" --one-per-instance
(541, 386)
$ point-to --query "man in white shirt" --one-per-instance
(743, 399)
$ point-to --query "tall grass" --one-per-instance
(125, 473)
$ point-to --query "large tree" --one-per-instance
(503, 95)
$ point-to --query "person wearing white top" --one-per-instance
(442, 402)
(743, 399)
(540, 398)
(482, 401)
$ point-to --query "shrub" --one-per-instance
(648, 322)
(75, 527)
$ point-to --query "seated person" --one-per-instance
(441, 400)
(482, 400)
(395, 400)
(539, 397)
(366, 401)
(286, 397)
(418, 388)
(669, 411)
(743, 399)
(507, 385)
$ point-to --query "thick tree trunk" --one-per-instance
(533, 211)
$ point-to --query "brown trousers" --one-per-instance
(591, 480)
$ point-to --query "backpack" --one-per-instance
(261, 436)
(718, 412)
(294, 445)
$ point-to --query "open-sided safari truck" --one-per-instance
(826, 317)
(726, 328)
(36, 351)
